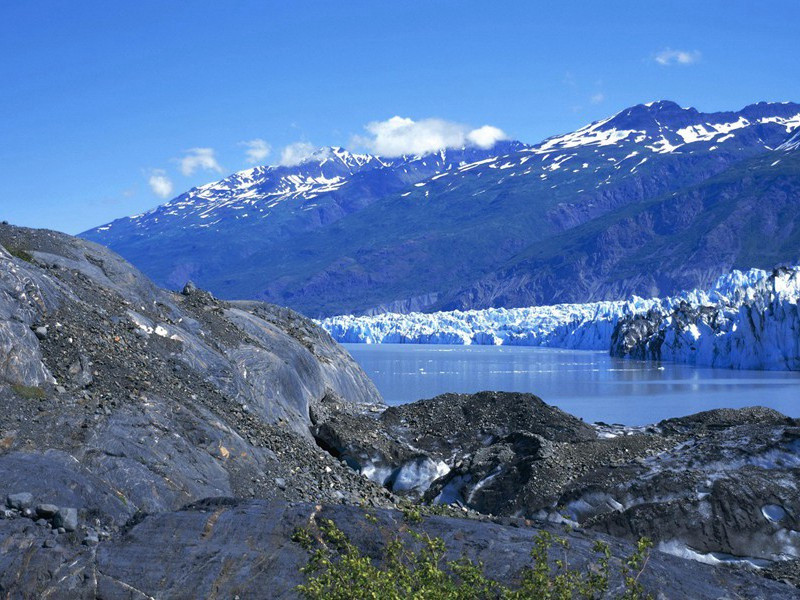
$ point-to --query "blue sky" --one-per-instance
(107, 110)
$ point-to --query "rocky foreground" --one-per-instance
(162, 445)
(720, 486)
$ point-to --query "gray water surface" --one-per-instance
(589, 384)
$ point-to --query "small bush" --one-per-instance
(338, 571)
(29, 392)
(20, 254)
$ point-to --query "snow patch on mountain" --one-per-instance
(793, 143)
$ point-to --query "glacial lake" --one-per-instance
(589, 384)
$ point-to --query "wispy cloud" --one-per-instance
(668, 57)
(294, 154)
(199, 158)
(597, 98)
(160, 183)
(256, 150)
(401, 135)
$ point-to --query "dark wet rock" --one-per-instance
(46, 511)
(787, 571)
(722, 485)
(724, 418)
(416, 443)
(732, 491)
(214, 398)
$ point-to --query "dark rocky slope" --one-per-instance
(720, 486)
(159, 445)
(122, 397)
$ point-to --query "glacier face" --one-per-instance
(747, 319)
(756, 326)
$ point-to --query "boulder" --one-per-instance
(66, 518)
(20, 501)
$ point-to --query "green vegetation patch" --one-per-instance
(20, 254)
(29, 392)
(416, 567)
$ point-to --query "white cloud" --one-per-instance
(160, 183)
(256, 150)
(294, 154)
(199, 158)
(401, 135)
(669, 57)
(486, 136)
(597, 98)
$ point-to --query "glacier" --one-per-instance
(746, 319)
(757, 326)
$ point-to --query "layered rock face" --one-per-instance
(224, 548)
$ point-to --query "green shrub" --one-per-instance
(28, 392)
(338, 571)
(21, 254)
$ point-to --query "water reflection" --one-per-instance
(586, 383)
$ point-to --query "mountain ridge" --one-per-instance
(434, 232)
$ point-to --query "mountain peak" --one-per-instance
(662, 105)
(329, 155)
(651, 115)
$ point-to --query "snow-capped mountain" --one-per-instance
(745, 320)
(260, 189)
(270, 191)
(651, 200)
(665, 127)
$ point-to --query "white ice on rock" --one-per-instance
(756, 324)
